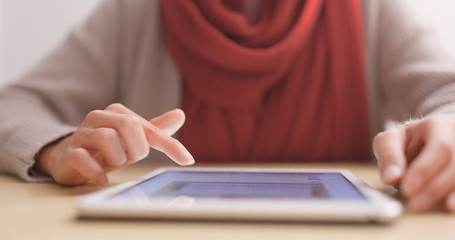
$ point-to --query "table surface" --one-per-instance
(47, 211)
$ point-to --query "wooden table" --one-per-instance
(47, 211)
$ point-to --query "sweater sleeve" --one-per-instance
(417, 74)
(52, 99)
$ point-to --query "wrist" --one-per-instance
(46, 156)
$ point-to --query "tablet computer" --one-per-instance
(269, 194)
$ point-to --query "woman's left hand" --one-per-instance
(420, 156)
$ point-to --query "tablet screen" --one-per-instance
(244, 185)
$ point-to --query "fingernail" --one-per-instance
(132, 161)
(102, 180)
(413, 184)
(184, 157)
(123, 161)
(188, 161)
(421, 202)
(451, 203)
(392, 173)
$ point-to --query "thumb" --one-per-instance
(170, 122)
(389, 150)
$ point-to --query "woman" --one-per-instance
(257, 80)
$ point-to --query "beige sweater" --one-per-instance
(118, 55)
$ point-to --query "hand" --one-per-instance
(109, 139)
(421, 156)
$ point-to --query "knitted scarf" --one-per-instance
(290, 87)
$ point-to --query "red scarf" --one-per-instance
(290, 88)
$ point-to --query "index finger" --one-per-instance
(158, 139)
(389, 149)
(161, 141)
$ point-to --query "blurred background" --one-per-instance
(31, 28)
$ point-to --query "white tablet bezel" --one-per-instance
(377, 208)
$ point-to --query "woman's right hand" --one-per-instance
(109, 139)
